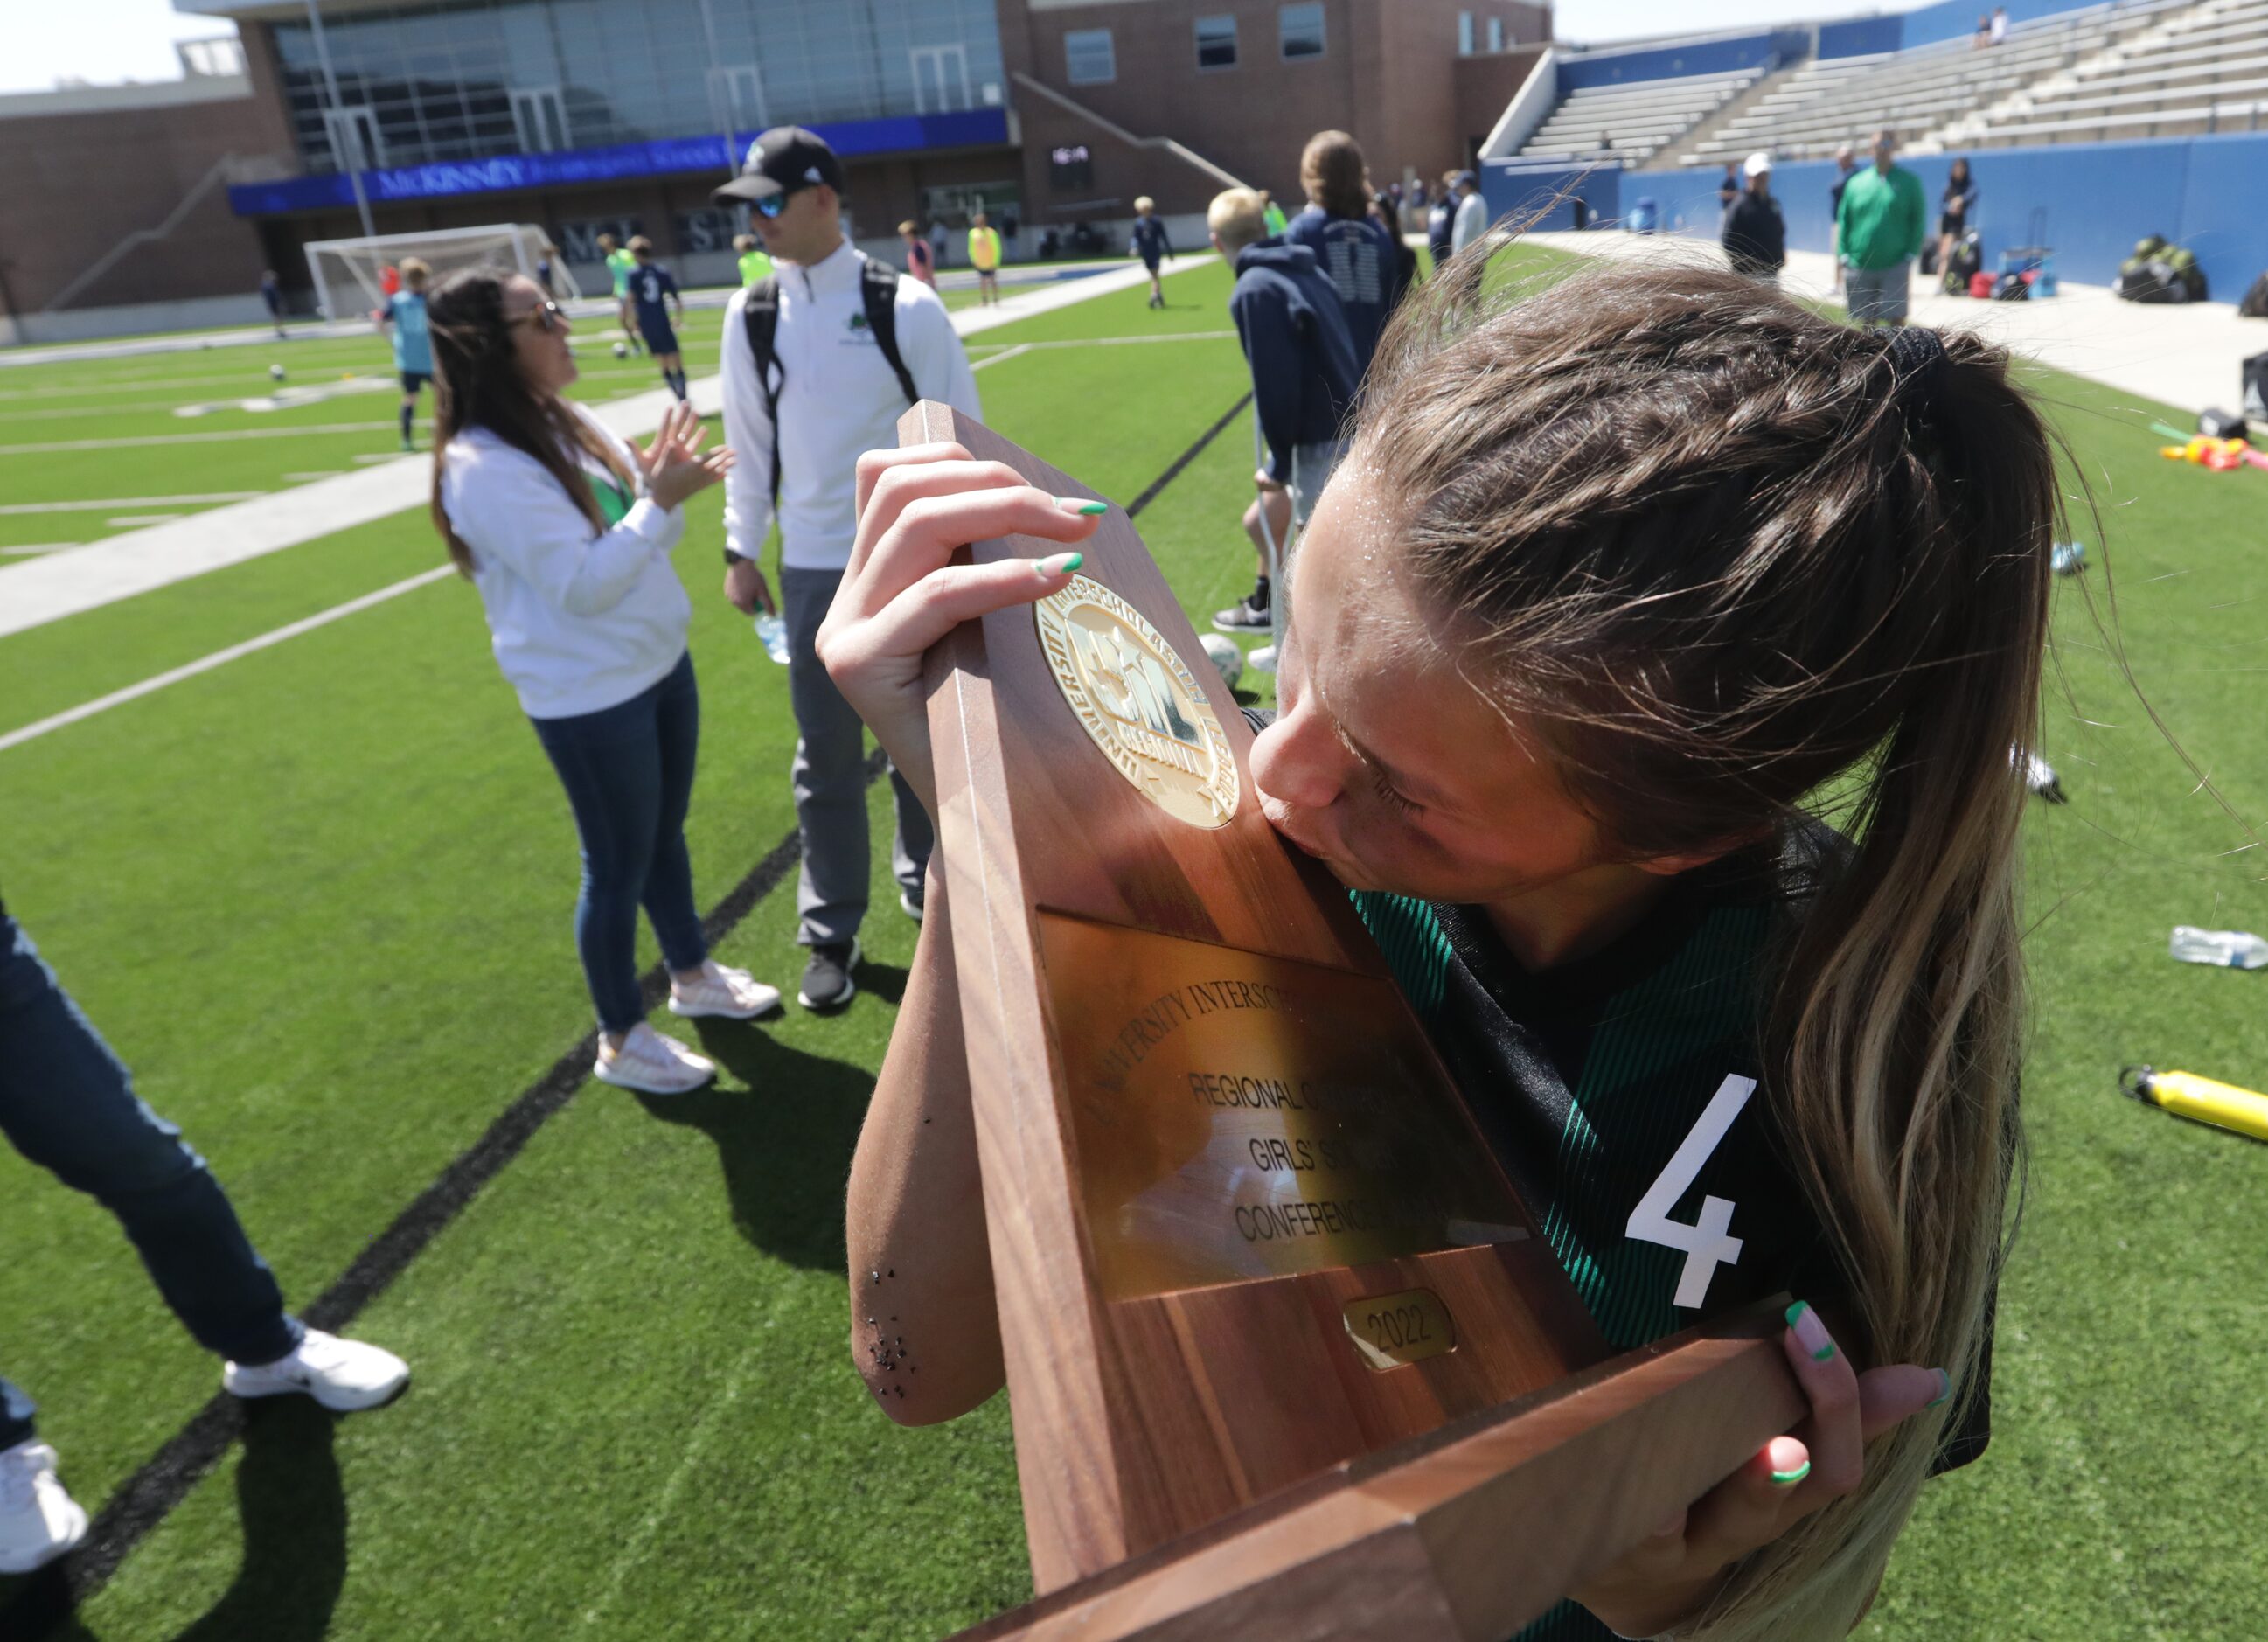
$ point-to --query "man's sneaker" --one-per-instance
(39, 1519)
(911, 904)
(1263, 659)
(1243, 616)
(342, 1375)
(651, 1064)
(826, 983)
(735, 994)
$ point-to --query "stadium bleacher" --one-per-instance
(2202, 70)
(1929, 93)
(1633, 121)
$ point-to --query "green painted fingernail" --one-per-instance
(1810, 1333)
(1944, 1389)
(1092, 508)
(1062, 564)
(1789, 1479)
(1795, 1311)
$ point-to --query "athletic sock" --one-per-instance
(408, 413)
(1259, 596)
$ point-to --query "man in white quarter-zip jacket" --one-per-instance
(839, 396)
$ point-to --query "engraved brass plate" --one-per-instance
(1138, 701)
(1390, 1330)
(1237, 1116)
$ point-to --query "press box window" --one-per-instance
(1216, 42)
(1300, 31)
(1071, 168)
(1087, 57)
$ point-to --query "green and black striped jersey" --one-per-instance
(1621, 1091)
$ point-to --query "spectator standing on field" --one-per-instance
(271, 293)
(403, 313)
(620, 266)
(1955, 209)
(1754, 234)
(1729, 187)
(1879, 228)
(566, 531)
(1384, 212)
(754, 264)
(653, 291)
(1440, 220)
(1304, 377)
(919, 262)
(66, 1103)
(1357, 255)
(940, 242)
(1472, 218)
(1845, 163)
(851, 345)
(1151, 244)
(984, 257)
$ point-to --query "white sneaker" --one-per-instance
(910, 907)
(39, 1519)
(653, 1065)
(342, 1375)
(735, 994)
(1263, 659)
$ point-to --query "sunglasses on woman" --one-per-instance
(547, 317)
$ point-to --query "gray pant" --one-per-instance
(1312, 467)
(1872, 294)
(830, 780)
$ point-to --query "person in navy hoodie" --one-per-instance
(1304, 371)
(1360, 256)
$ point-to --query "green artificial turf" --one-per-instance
(319, 899)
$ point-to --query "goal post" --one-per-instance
(349, 272)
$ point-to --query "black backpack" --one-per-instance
(2255, 389)
(2011, 288)
(2254, 306)
(1966, 260)
(878, 293)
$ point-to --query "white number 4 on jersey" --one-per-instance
(1706, 1243)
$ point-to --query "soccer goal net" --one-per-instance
(350, 274)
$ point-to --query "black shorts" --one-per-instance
(1949, 223)
(412, 380)
(658, 335)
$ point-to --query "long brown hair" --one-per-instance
(1727, 556)
(1333, 174)
(477, 384)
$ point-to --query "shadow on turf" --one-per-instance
(784, 1140)
(293, 1508)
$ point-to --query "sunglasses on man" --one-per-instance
(772, 205)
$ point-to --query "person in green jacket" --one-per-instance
(1880, 224)
(620, 266)
(754, 265)
(1271, 215)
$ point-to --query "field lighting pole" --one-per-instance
(718, 106)
(339, 120)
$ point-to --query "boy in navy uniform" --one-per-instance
(1151, 244)
(652, 286)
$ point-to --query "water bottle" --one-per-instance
(771, 628)
(2232, 949)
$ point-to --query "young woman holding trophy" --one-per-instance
(1619, 586)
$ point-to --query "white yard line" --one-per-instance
(217, 437)
(38, 547)
(1008, 353)
(220, 658)
(130, 501)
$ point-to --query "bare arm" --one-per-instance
(925, 1328)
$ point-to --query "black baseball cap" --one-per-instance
(783, 159)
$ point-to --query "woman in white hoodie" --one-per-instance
(566, 531)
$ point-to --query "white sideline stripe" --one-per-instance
(129, 500)
(1006, 353)
(43, 590)
(128, 520)
(39, 547)
(220, 658)
(217, 437)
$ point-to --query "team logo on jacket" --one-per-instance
(1139, 702)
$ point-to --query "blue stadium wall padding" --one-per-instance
(2100, 198)
(1522, 194)
(511, 172)
(1949, 20)
(1662, 63)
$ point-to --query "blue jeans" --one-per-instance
(68, 1104)
(629, 774)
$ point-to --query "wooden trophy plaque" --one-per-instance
(1273, 1315)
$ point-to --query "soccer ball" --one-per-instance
(275, 372)
(621, 350)
(1225, 656)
